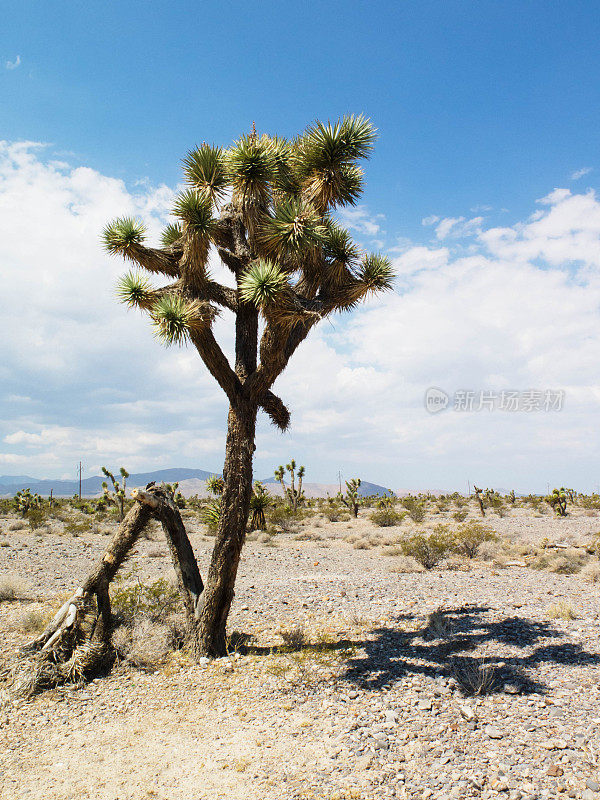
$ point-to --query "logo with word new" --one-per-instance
(436, 400)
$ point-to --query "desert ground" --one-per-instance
(353, 672)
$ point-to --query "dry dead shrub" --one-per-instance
(156, 552)
(14, 588)
(308, 536)
(17, 525)
(567, 562)
(294, 638)
(406, 564)
(145, 644)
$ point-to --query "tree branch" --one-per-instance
(154, 260)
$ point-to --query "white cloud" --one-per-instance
(83, 378)
(360, 220)
(13, 64)
(579, 173)
(431, 220)
(457, 227)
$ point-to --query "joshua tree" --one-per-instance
(478, 493)
(290, 493)
(259, 502)
(352, 498)
(24, 501)
(558, 501)
(117, 496)
(292, 264)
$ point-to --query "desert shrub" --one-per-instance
(210, 514)
(332, 514)
(460, 515)
(13, 588)
(154, 601)
(469, 538)
(416, 508)
(428, 549)
(17, 525)
(76, 528)
(36, 517)
(284, 518)
(386, 517)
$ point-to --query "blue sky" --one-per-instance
(483, 109)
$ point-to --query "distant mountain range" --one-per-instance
(191, 481)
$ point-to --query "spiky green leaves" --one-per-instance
(135, 290)
(171, 235)
(294, 228)
(175, 318)
(338, 247)
(205, 169)
(122, 235)
(195, 209)
(376, 273)
(326, 160)
(262, 283)
(252, 163)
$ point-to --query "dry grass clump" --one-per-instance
(34, 621)
(14, 588)
(308, 536)
(591, 572)
(17, 525)
(474, 676)
(560, 610)
(438, 625)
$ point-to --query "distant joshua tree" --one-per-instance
(266, 205)
(292, 494)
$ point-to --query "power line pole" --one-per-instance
(80, 470)
(340, 479)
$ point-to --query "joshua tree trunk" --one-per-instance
(235, 507)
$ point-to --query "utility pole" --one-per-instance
(80, 470)
(340, 479)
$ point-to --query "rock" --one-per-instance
(588, 795)
(593, 785)
(424, 705)
(467, 712)
(555, 771)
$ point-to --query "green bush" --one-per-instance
(156, 601)
(469, 538)
(284, 517)
(428, 549)
(386, 517)
(415, 507)
(36, 517)
(460, 515)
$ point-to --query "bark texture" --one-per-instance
(235, 506)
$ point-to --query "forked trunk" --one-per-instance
(235, 507)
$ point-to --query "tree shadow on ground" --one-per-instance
(403, 648)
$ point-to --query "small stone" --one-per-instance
(555, 771)
(593, 785)
(588, 795)
(424, 705)
(203, 661)
(493, 732)
(467, 712)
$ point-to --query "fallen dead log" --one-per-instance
(76, 642)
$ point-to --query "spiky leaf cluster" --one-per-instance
(175, 318)
(121, 236)
(135, 290)
(206, 171)
(262, 283)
